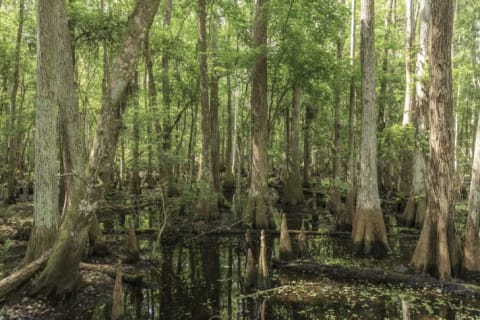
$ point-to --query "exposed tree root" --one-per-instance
(19, 277)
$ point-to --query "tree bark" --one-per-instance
(369, 234)
(258, 210)
(13, 142)
(214, 103)
(293, 191)
(335, 197)
(207, 203)
(345, 221)
(437, 251)
(415, 210)
(102, 156)
(45, 216)
(61, 274)
(471, 248)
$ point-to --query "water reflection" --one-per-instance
(203, 279)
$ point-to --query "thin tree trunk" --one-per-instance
(415, 210)
(345, 221)
(13, 135)
(409, 62)
(335, 198)
(135, 183)
(207, 202)
(437, 250)
(369, 234)
(102, 156)
(293, 192)
(214, 102)
(258, 211)
(471, 247)
(166, 80)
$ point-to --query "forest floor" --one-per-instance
(95, 286)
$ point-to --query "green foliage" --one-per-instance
(93, 25)
(395, 140)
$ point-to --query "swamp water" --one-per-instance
(203, 279)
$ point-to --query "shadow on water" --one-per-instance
(203, 279)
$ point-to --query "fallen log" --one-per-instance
(378, 276)
(20, 276)
(110, 270)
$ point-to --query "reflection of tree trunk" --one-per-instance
(166, 294)
(13, 134)
(257, 210)
(292, 191)
(211, 274)
(437, 250)
(369, 234)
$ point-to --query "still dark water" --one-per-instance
(203, 279)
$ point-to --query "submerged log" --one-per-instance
(111, 271)
(19, 277)
(378, 276)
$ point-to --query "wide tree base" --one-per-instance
(41, 240)
(369, 233)
(438, 253)
(415, 211)
(258, 212)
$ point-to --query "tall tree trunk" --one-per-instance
(382, 99)
(258, 210)
(437, 250)
(45, 216)
(471, 251)
(471, 254)
(293, 191)
(152, 95)
(135, 183)
(166, 80)
(214, 102)
(407, 120)
(207, 202)
(409, 61)
(61, 274)
(308, 119)
(101, 161)
(369, 234)
(416, 207)
(13, 142)
(346, 220)
(335, 198)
